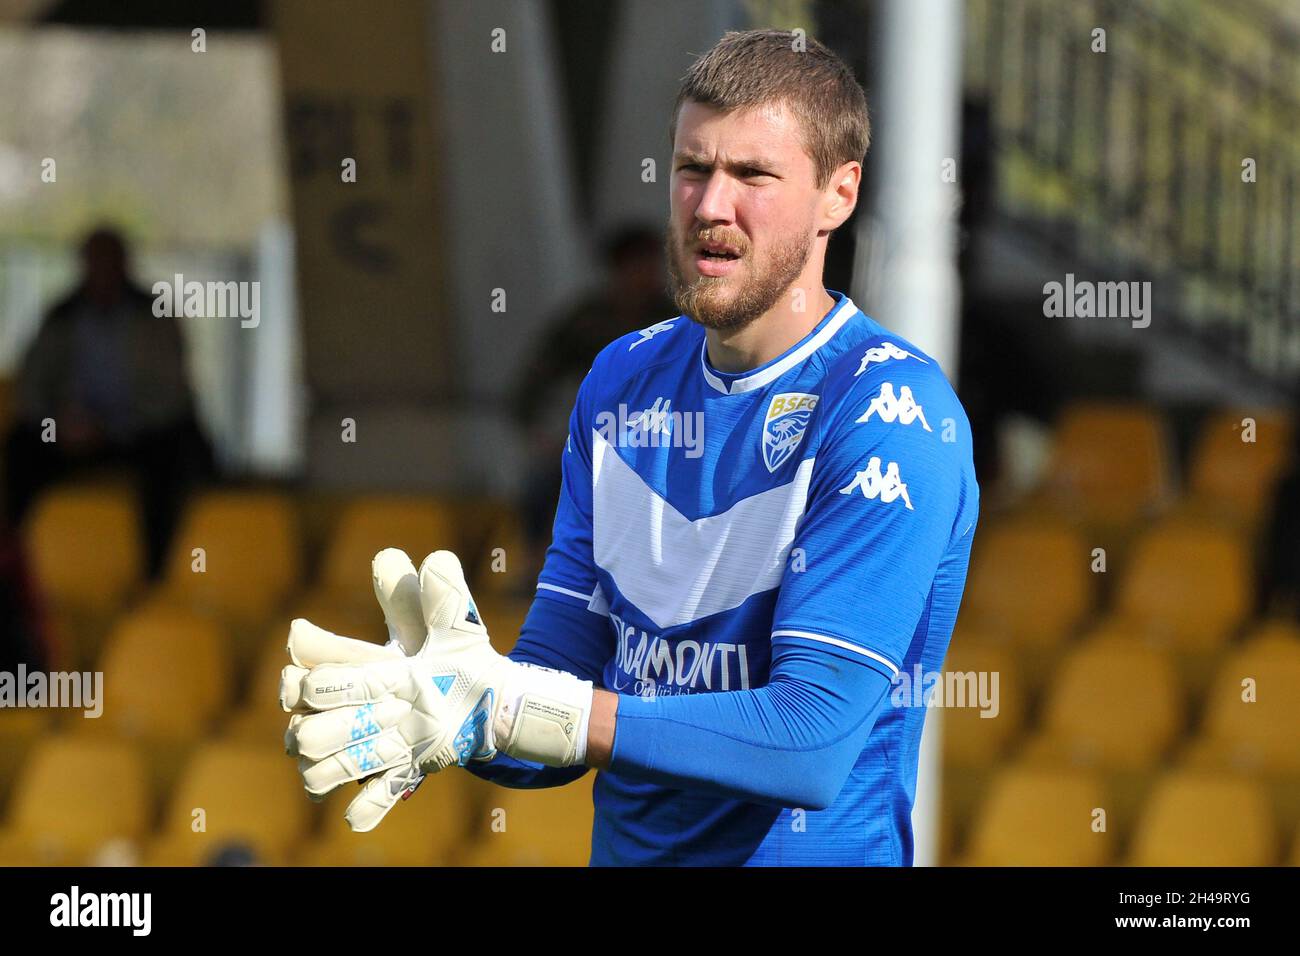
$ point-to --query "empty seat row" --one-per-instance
(1045, 817)
(238, 556)
(244, 802)
(1036, 582)
(1119, 703)
(1111, 463)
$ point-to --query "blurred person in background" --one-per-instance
(634, 296)
(105, 387)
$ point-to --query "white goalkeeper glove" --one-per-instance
(363, 711)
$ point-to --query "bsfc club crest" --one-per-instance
(783, 428)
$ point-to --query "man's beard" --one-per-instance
(705, 300)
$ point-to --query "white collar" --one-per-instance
(778, 367)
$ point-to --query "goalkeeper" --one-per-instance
(766, 514)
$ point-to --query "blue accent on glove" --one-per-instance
(443, 682)
(364, 725)
(471, 740)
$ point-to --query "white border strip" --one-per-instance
(541, 586)
(839, 643)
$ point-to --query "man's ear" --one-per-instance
(840, 197)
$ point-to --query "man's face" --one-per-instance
(743, 207)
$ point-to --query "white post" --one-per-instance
(905, 273)
(274, 407)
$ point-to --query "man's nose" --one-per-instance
(717, 202)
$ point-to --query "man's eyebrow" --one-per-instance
(689, 156)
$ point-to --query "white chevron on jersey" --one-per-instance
(892, 408)
(675, 570)
(886, 487)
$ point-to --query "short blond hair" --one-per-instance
(757, 67)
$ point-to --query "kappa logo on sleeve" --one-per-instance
(648, 334)
(883, 353)
(887, 487)
(891, 408)
(787, 419)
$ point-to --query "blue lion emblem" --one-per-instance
(781, 436)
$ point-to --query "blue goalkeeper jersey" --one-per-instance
(825, 501)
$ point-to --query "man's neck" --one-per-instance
(772, 333)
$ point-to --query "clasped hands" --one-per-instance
(436, 695)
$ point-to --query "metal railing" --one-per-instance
(1173, 154)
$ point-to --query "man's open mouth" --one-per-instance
(716, 259)
(719, 252)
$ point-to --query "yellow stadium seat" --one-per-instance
(166, 680)
(1115, 704)
(1110, 462)
(233, 795)
(1030, 580)
(973, 744)
(251, 554)
(87, 559)
(166, 674)
(547, 827)
(85, 545)
(1255, 725)
(76, 794)
(1188, 585)
(969, 739)
(417, 526)
(1232, 476)
(1195, 819)
(1041, 817)
(426, 829)
(20, 731)
(166, 677)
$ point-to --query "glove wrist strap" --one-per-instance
(543, 717)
